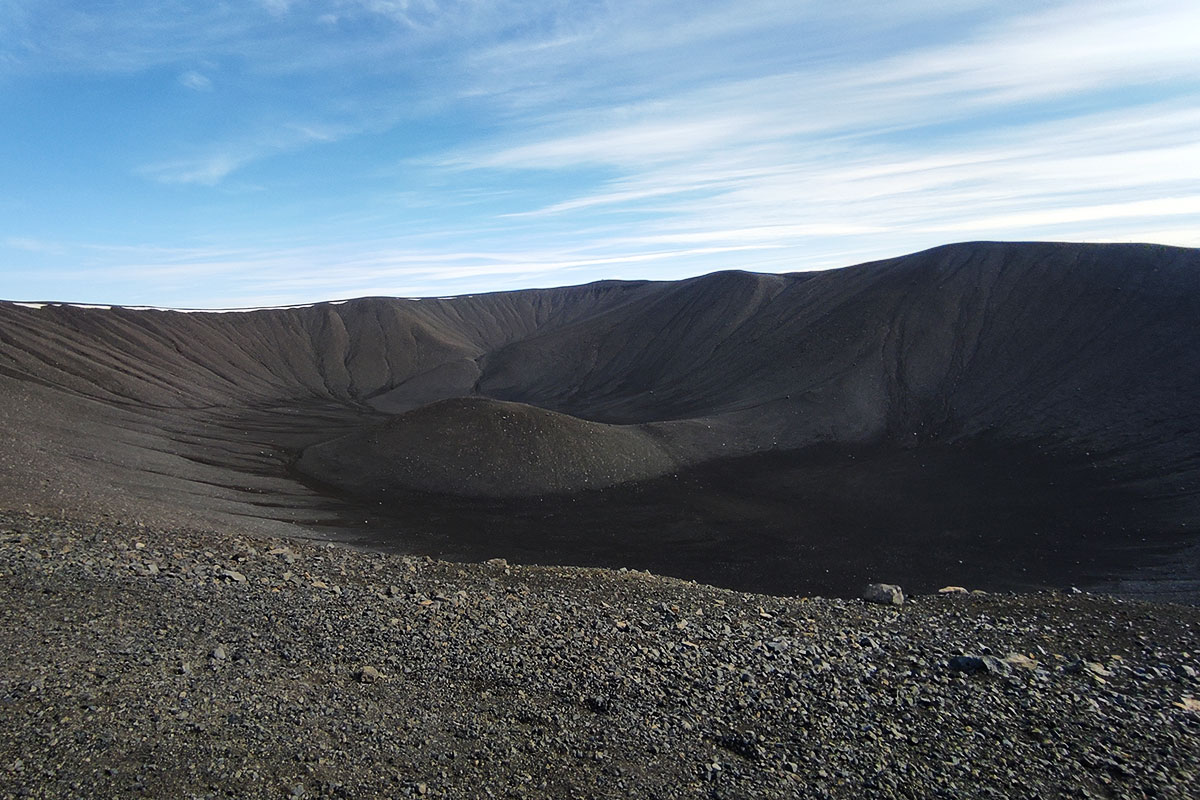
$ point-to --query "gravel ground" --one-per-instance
(168, 663)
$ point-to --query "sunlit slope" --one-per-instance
(354, 352)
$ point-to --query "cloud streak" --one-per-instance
(195, 81)
(430, 147)
(849, 146)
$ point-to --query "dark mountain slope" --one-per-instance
(785, 421)
(1032, 339)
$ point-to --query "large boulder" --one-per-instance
(885, 594)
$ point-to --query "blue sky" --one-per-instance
(206, 154)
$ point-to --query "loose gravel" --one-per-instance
(181, 664)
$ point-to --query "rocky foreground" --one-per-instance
(166, 663)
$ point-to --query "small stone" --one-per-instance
(296, 791)
(885, 594)
(1018, 660)
(952, 590)
(496, 562)
(996, 666)
(218, 653)
(1190, 704)
(369, 675)
(234, 575)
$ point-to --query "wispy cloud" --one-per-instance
(463, 145)
(224, 158)
(30, 245)
(205, 170)
(195, 81)
(1018, 128)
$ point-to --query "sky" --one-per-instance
(234, 154)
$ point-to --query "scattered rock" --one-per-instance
(996, 666)
(952, 590)
(284, 552)
(1021, 661)
(527, 685)
(1189, 704)
(886, 594)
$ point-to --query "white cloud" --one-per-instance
(205, 170)
(225, 158)
(1028, 220)
(1072, 49)
(31, 245)
(278, 7)
(195, 81)
(594, 137)
(1038, 123)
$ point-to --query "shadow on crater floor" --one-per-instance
(820, 521)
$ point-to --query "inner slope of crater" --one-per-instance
(479, 447)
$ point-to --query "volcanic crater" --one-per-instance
(1005, 415)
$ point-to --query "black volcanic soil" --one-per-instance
(825, 521)
(1022, 415)
(476, 447)
(142, 662)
